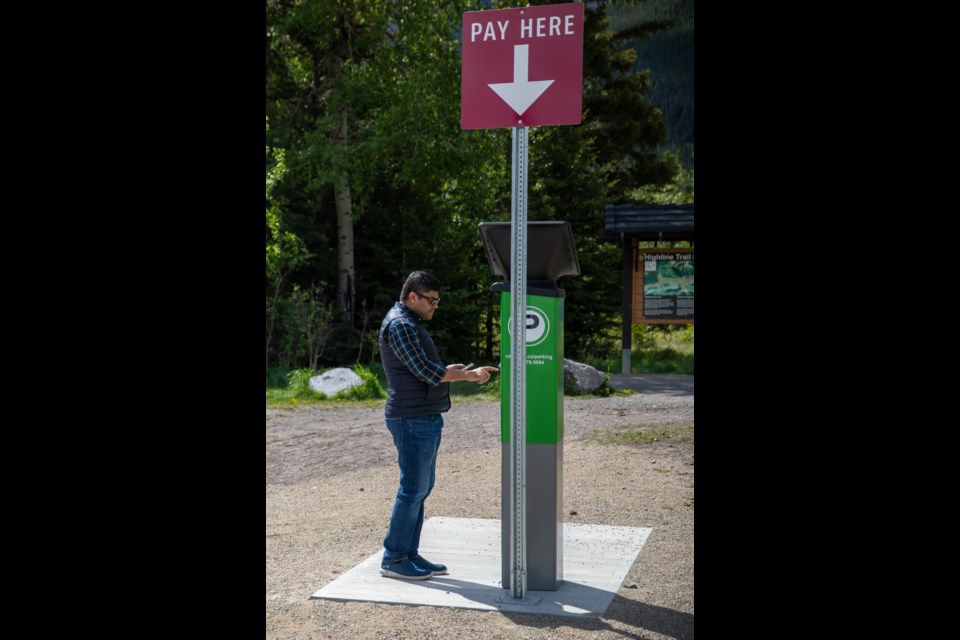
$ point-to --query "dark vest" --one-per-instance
(407, 395)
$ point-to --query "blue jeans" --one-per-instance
(417, 440)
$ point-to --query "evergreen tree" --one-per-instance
(577, 170)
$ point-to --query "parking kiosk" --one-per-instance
(550, 255)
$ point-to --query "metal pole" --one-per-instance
(626, 269)
(518, 361)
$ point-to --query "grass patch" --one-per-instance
(655, 349)
(646, 434)
(663, 361)
(292, 388)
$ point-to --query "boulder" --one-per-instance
(580, 379)
(334, 381)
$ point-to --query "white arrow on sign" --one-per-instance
(521, 93)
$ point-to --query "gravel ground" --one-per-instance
(331, 478)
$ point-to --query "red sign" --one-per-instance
(522, 67)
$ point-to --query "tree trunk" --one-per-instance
(345, 268)
(334, 65)
(272, 310)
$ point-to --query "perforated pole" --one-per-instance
(518, 361)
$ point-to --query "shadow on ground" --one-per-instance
(668, 384)
(644, 617)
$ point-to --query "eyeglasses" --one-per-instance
(433, 301)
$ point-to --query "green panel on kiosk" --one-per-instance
(544, 373)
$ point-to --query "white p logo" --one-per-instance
(538, 327)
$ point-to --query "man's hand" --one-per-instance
(456, 372)
(480, 374)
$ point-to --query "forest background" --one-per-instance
(369, 177)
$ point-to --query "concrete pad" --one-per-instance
(596, 559)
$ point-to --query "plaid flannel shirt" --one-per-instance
(405, 344)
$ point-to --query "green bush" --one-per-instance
(604, 390)
(662, 361)
(277, 378)
(376, 367)
(655, 349)
(369, 390)
(642, 336)
(298, 385)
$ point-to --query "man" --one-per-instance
(417, 394)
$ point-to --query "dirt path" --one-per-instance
(331, 476)
(324, 441)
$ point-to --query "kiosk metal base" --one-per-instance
(527, 599)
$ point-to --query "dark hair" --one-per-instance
(419, 281)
